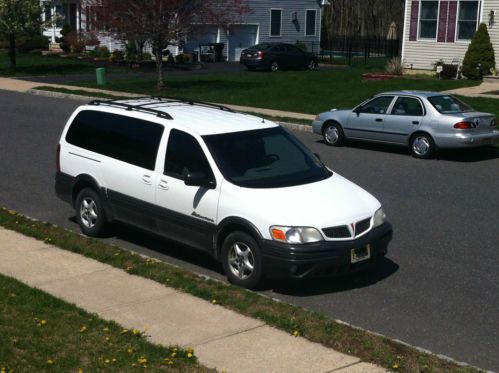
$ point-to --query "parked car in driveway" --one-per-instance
(424, 121)
(245, 191)
(277, 56)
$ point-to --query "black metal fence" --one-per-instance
(348, 47)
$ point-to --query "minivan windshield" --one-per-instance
(266, 158)
(448, 104)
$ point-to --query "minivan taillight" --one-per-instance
(58, 158)
(464, 125)
(259, 55)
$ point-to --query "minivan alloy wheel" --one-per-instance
(88, 212)
(241, 260)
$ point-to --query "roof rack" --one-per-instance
(128, 107)
(192, 102)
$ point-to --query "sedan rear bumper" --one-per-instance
(467, 139)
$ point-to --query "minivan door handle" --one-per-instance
(147, 179)
(163, 184)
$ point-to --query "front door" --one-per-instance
(405, 117)
(366, 122)
(186, 213)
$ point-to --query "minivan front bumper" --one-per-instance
(323, 258)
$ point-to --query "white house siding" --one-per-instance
(423, 54)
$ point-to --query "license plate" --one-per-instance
(360, 254)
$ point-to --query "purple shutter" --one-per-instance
(442, 21)
(413, 33)
(451, 23)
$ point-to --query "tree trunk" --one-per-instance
(12, 52)
(159, 66)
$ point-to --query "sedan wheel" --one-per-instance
(242, 260)
(312, 65)
(333, 134)
(422, 146)
(274, 66)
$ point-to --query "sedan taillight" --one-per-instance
(259, 55)
(464, 125)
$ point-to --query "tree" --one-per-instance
(163, 22)
(18, 17)
(479, 57)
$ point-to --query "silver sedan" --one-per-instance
(424, 121)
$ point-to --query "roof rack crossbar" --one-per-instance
(192, 102)
(128, 107)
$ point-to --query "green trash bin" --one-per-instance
(101, 75)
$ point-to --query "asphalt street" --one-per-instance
(437, 289)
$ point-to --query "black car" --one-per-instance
(276, 56)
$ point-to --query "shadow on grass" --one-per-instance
(381, 270)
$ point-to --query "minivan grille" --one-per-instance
(340, 231)
(362, 226)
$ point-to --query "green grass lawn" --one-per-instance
(298, 91)
(41, 333)
(32, 64)
(488, 105)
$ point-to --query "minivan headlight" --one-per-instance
(379, 217)
(296, 235)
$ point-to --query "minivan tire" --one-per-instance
(242, 260)
(90, 213)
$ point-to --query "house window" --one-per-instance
(310, 17)
(467, 19)
(275, 22)
(428, 20)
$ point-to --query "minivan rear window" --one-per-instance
(120, 137)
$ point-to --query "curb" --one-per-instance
(71, 96)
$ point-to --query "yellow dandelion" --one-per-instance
(296, 333)
(107, 338)
(190, 349)
(130, 350)
(107, 361)
(50, 362)
(12, 295)
(214, 301)
(189, 355)
(395, 366)
(135, 331)
(83, 329)
(124, 331)
(114, 360)
(134, 365)
(80, 370)
(106, 329)
(142, 360)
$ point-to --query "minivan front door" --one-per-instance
(186, 213)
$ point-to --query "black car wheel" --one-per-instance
(90, 212)
(422, 146)
(274, 66)
(312, 65)
(333, 134)
(242, 260)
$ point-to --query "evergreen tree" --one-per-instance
(479, 57)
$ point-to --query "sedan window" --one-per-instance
(449, 104)
(378, 105)
(407, 106)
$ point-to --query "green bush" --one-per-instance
(146, 56)
(28, 43)
(479, 57)
(117, 56)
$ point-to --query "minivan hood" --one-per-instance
(327, 203)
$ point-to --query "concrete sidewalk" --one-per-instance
(221, 338)
(24, 86)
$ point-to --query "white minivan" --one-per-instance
(239, 187)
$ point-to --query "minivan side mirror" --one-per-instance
(199, 179)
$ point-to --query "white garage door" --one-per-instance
(241, 37)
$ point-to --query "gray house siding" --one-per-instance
(422, 54)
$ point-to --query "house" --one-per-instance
(288, 21)
(443, 29)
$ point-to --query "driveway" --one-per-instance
(438, 287)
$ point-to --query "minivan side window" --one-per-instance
(184, 155)
(123, 138)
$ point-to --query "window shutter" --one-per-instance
(413, 33)
(451, 24)
(442, 21)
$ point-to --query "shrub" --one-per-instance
(91, 40)
(78, 46)
(117, 56)
(29, 43)
(100, 52)
(449, 71)
(394, 66)
(66, 29)
(479, 57)
(146, 56)
(182, 58)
